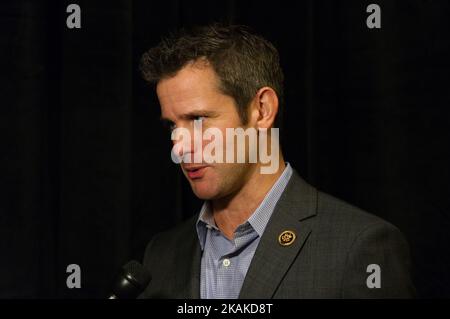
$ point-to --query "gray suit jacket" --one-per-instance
(329, 258)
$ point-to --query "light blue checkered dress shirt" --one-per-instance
(225, 262)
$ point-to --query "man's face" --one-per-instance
(193, 94)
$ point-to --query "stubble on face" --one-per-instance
(194, 91)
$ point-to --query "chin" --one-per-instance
(205, 194)
(204, 191)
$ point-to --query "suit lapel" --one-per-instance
(194, 278)
(186, 280)
(272, 260)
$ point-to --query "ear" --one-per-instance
(266, 107)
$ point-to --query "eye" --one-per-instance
(199, 118)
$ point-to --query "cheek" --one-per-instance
(225, 174)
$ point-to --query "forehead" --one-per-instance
(194, 81)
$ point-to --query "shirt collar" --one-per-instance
(260, 217)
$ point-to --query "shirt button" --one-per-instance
(226, 262)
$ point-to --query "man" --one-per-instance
(257, 235)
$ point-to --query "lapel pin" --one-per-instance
(286, 238)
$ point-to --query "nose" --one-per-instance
(181, 146)
(186, 143)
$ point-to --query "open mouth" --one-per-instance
(196, 172)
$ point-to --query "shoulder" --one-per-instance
(346, 225)
(336, 224)
(330, 213)
(359, 240)
(345, 217)
(166, 243)
(371, 248)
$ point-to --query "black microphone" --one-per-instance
(131, 282)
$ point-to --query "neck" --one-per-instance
(235, 209)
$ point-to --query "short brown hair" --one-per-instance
(243, 60)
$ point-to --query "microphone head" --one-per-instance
(131, 282)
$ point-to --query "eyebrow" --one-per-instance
(190, 115)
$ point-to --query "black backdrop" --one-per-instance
(86, 175)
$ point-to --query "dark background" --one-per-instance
(85, 169)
